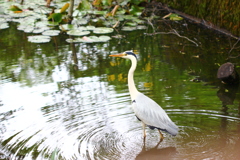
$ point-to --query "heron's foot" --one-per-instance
(161, 136)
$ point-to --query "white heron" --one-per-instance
(145, 109)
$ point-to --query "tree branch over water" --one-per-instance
(232, 48)
(173, 31)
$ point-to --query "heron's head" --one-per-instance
(126, 54)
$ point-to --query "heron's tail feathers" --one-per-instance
(172, 129)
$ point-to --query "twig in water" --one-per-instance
(184, 37)
(176, 33)
(233, 47)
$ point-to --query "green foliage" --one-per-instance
(136, 2)
(55, 17)
(15, 8)
(84, 5)
(175, 17)
(107, 2)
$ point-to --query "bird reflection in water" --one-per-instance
(156, 153)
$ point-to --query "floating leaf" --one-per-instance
(4, 25)
(118, 36)
(107, 2)
(99, 12)
(21, 14)
(50, 23)
(139, 21)
(84, 5)
(137, 2)
(131, 24)
(128, 28)
(129, 17)
(39, 39)
(135, 10)
(90, 27)
(103, 30)
(43, 10)
(90, 39)
(51, 33)
(29, 29)
(40, 30)
(141, 27)
(78, 32)
(67, 27)
(79, 21)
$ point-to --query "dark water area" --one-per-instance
(71, 101)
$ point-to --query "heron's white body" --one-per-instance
(151, 114)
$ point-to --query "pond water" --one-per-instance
(71, 101)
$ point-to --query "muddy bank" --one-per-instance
(222, 17)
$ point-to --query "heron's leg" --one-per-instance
(144, 131)
(161, 136)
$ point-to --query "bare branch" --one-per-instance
(175, 33)
(233, 47)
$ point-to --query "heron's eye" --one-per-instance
(125, 54)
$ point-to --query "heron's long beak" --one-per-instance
(117, 55)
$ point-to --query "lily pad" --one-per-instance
(40, 30)
(141, 27)
(39, 39)
(103, 30)
(125, 28)
(79, 21)
(100, 12)
(51, 23)
(90, 39)
(67, 27)
(43, 10)
(29, 29)
(75, 13)
(78, 32)
(131, 24)
(51, 33)
(21, 15)
(129, 17)
(4, 25)
(90, 27)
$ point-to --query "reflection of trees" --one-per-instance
(32, 64)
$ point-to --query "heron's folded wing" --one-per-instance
(152, 114)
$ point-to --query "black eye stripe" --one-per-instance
(131, 53)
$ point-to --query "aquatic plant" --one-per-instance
(86, 17)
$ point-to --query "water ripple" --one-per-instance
(106, 128)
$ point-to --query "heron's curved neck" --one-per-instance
(131, 85)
